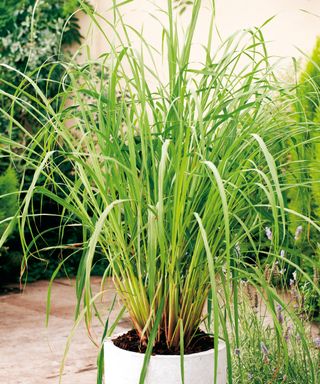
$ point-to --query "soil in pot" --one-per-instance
(130, 341)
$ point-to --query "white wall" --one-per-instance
(292, 27)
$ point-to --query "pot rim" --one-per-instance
(108, 340)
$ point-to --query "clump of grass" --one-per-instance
(175, 180)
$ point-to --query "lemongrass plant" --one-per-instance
(175, 179)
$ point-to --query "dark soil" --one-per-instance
(130, 341)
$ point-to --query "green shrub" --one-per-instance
(33, 45)
(304, 175)
(9, 261)
(8, 197)
(310, 300)
(310, 84)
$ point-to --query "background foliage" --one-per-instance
(305, 197)
(32, 41)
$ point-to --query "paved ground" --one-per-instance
(30, 353)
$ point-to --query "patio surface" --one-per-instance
(30, 353)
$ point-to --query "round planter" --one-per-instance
(124, 367)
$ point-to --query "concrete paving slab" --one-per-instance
(30, 353)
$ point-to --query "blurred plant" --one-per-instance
(304, 175)
(9, 198)
(311, 301)
(182, 5)
(307, 106)
(310, 85)
(31, 37)
(8, 209)
(260, 358)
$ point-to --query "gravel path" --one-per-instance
(30, 353)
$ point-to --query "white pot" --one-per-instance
(124, 367)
